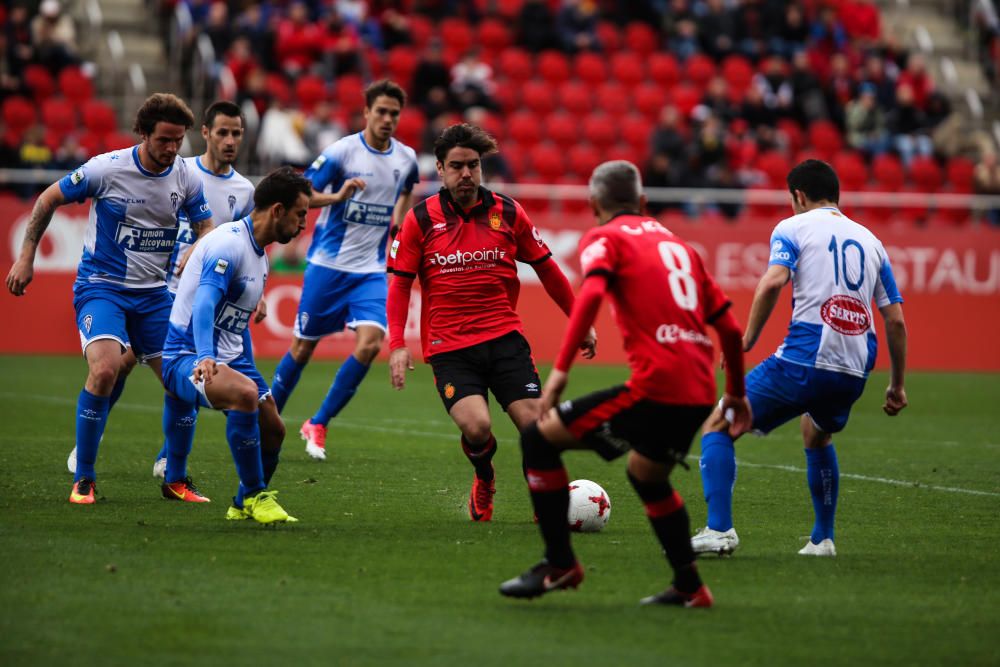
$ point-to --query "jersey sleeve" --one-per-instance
(598, 255)
(784, 246)
(325, 169)
(886, 291)
(407, 249)
(531, 249)
(219, 265)
(195, 205)
(87, 181)
(412, 178)
(714, 300)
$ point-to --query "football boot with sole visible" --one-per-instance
(824, 548)
(83, 492)
(184, 490)
(160, 468)
(263, 508)
(481, 499)
(715, 541)
(700, 598)
(541, 579)
(315, 437)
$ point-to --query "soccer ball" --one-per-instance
(589, 506)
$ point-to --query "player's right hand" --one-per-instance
(205, 370)
(737, 412)
(20, 275)
(895, 400)
(399, 362)
(349, 187)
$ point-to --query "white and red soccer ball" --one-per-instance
(589, 506)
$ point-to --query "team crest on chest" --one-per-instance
(174, 200)
(495, 221)
(232, 205)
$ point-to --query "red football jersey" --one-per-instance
(663, 299)
(465, 261)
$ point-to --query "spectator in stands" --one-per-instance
(878, 73)
(438, 102)
(322, 128)
(709, 149)
(431, 72)
(536, 26)
(472, 82)
(395, 28)
(240, 61)
(840, 87)
(341, 46)
(255, 91)
(827, 34)
(54, 37)
(808, 101)
(717, 30)
(684, 41)
(865, 122)
(668, 136)
(918, 79)
(721, 176)
(298, 41)
(986, 180)
(677, 11)
(717, 100)
(260, 30)
(793, 32)
(775, 88)
(34, 154)
(10, 83)
(280, 141)
(754, 111)
(908, 126)
(938, 109)
(576, 25)
(663, 172)
(218, 28)
(751, 31)
(862, 22)
(20, 51)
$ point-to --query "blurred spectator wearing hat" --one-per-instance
(54, 37)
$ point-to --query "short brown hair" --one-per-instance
(466, 136)
(387, 88)
(281, 186)
(162, 107)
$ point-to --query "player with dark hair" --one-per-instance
(664, 299)
(365, 182)
(208, 358)
(837, 267)
(120, 294)
(463, 244)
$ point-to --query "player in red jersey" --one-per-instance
(663, 301)
(463, 243)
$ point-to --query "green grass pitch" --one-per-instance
(385, 567)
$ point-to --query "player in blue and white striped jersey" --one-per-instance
(837, 268)
(208, 359)
(365, 180)
(120, 293)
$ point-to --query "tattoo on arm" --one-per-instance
(41, 216)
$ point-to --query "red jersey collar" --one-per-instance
(485, 203)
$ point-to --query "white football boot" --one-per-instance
(71, 462)
(160, 468)
(824, 548)
(715, 541)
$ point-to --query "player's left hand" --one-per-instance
(182, 262)
(20, 275)
(589, 344)
(260, 312)
(895, 400)
(205, 371)
(555, 384)
(399, 362)
(737, 412)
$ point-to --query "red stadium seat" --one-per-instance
(576, 97)
(411, 126)
(548, 162)
(793, 134)
(508, 96)
(18, 114)
(627, 67)
(775, 166)
(516, 156)
(852, 171)
(509, 8)
(649, 99)
(278, 87)
(738, 73)
(700, 69)
(926, 174)
(590, 68)
(59, 117)
(493, 124)
(961, 172)
(494, 35)
(75, 85)
(613, 97)
(456, 35)
(401, 61)
(663, 69)
(637, 155)
(636, 131)
(553, 66)
(39, 82)
(574, 205)
(310, 90)
(685, 97)
(115, 140)
(349, 91)
(609, 36)
(888, 172)
(641, 38)
(538, 96)
(824, 138)
(562, 128)
(99, 117)
(421, 30)
(600, 129)
(524, 127)
(516, 65)
(91, 143)
(582, 159)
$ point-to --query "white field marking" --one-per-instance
(138, 407)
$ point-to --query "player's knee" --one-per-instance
(302, 350)
(366, 351)
(102, 376)
(245, 398)
(477, 430)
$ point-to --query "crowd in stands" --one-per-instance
(701, 93)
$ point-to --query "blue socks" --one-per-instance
(116, 391)
(286, 376)
(243, 435)
(270, 463)
(823, 476)
(91, 416)
(179, 420)
(718, 477)
(350, 375)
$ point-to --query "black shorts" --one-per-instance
(502, 365)
(613, 421)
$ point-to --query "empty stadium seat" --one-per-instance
(738, 73)
(582, 158)
(99, 117)
(649, 99)
(627, 67)
(641, 38)
(961, 173)
(613, 98)
(562, 128)
(609, 36)
(547, 161)
(310, 90)
(775, 166)
(115, 140)
(663, 69)
(421, 30)
(411, 126)
(524, 127)
(508, 96)
(455, 34)
(39, 81)
(516, 65)
(888, 172)
(349, 91)
(825, 139)
(400, 63)
(538, 96)
(553, 66)
(851, 169)
(75, 85)
(59, 117)
(685, 97)
(636, 131)
(494, 35)
(590, 68)
(600, 129)
(18, 115)
(576, 97)
(700, 69)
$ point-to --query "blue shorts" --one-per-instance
(178, 372)
(780, 391)
(135, 318)
(334, 299)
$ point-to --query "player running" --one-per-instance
(663, 301)
(120, 294)
(462, 243)
(208, 358)
(365, 181)
(837, 268)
